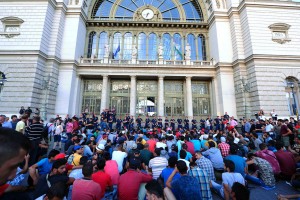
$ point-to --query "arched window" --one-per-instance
(152, 46)
(167, 45)
(142, 46)
(201, 47)
(103, 40)
(191, 41)
(127, 49)
(92, 44)
(177, 47)
(117, 44)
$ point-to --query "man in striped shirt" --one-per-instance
(34, 132)
(157, 164)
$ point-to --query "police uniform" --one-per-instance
(173, 124)
(166, 123)
(179, 121)
(147, 121)
(154, 123)
(194, 124)
(139, 122)
(119, 124)
(110, 122)
(159, 123)
(186, 124)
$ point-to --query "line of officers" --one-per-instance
(108, 119)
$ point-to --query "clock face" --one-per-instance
(147, 13)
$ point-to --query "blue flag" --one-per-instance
(117, 51)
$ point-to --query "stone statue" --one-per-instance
(187, 52)
(106, 50)
(134, 51)
(160, 51)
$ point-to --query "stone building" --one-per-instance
(157, 57)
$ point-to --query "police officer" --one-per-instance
(173, 123)
(131, 123)
(159, 123)
(166, 123)
(194, 123)
(202, 123)
(179, 121)
(139, 122)
(147, 122)
(186, 123)
(218, 123)
(154, 121)
(110, 122)
(119, 123)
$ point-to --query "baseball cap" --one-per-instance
(223, 139)
(60, 156)
(100, 147)
(75, 148)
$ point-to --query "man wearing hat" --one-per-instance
(78, 151)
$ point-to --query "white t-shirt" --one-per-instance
(20, 127)
(231, 178)
(119, 156)
(269, 127)
(157, 164)
(161, 144)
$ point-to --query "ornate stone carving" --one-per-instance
(11, 26)
(280, 32)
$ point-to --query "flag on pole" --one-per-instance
(117, 51)
(178, 52)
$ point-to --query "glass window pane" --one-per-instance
(201, 48)
(127, 49)
(92, 44)
(152, 47)
(117, 43)
(142, 54)
(177, 47)
(167, 46)
(192, 43)
(103, 40)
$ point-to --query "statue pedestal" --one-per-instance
(133, 60)
(105, 59)
(160, 60)
(188, 62)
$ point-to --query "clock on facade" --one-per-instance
(147, 13)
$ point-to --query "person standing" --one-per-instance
(34, 132)
(22, 124)
(57, 135)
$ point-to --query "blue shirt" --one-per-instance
(215, 157)
(186, 187)
(197, 144)
(44, 166)
(167, 172)
(239, 163)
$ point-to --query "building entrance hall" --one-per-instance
(140, 96)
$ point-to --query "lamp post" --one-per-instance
(2, 80)
(295, 109)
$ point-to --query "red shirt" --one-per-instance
(129, 184)
(287, 162)
(190, 147)
(152, 145)
(3, 188)
(103, 179)
(111, 168)
(86, 189)
(229, 128)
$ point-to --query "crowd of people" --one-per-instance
(87, 157)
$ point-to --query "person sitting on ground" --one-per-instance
(214, 155)
(189, 156)
(206, 165)
(186, 187)
(154, 191)
(86, 188)
(119, 155)
(168, 171)
(239, 162)
(182, 156)
(77, 173)
(228, 179)
(56, 175)
(43, 166)
(239, 192)
(57, 191)
(265, 176)
(157, 164)
(224, 147)
(286, 161)
(102, 178)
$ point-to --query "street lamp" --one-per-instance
(295, 110)
(2, 80)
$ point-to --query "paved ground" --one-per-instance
(258, 193)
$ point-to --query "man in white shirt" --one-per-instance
(269, 128)
(119, 157)
(157, 164)
(161, 143)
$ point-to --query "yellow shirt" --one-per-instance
(76, 159)
(20, 127)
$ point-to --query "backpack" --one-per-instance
(70, 159)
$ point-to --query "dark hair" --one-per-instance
(211, 144)
(53, 153)
(59, 163)
(83, 160)
(87, 169)
(58, 190)
(229, 164)
(172, 161)
(36, 118)
(157, 151)
(134, 163)
(11, 142)
(233, 149)
(153, 187)
(240, 191)
(182, 154)
(13, 116)
(250, 155)
(181, 166)
(262, 146)
(184, 146)
(255, 135)
(101, 163)
(278, 145)
(106, 155)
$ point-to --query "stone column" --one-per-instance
(160, 106)
(189, 97)
(133, 96)
(104, 92)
